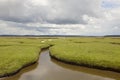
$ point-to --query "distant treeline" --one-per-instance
(45, 36)
(112, 36)
(57, 36)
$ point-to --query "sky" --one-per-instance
(60, 17)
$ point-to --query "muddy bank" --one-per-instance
(17, 71)
(50, 69)
(85, 65)
(24, 66)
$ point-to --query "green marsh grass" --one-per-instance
(90, 52)
(18, 52)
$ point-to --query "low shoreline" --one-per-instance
(67, 62)
(17, 71)
(24, 66)
(85, 65)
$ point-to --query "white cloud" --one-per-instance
(10, 28)
(78, 17)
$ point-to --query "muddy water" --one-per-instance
(50, 69)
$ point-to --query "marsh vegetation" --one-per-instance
(102, 53)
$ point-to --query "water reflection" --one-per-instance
(50, 69)
(103, 73)
(22, 72)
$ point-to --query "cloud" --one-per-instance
(47, 11)
(78, 17)
(12, 28)
(111, 3)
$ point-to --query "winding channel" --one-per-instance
(50, 69)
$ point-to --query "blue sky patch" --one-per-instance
(110, 4)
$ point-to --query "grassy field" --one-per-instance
(93, 52)
(101, 53)
(18, 52)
